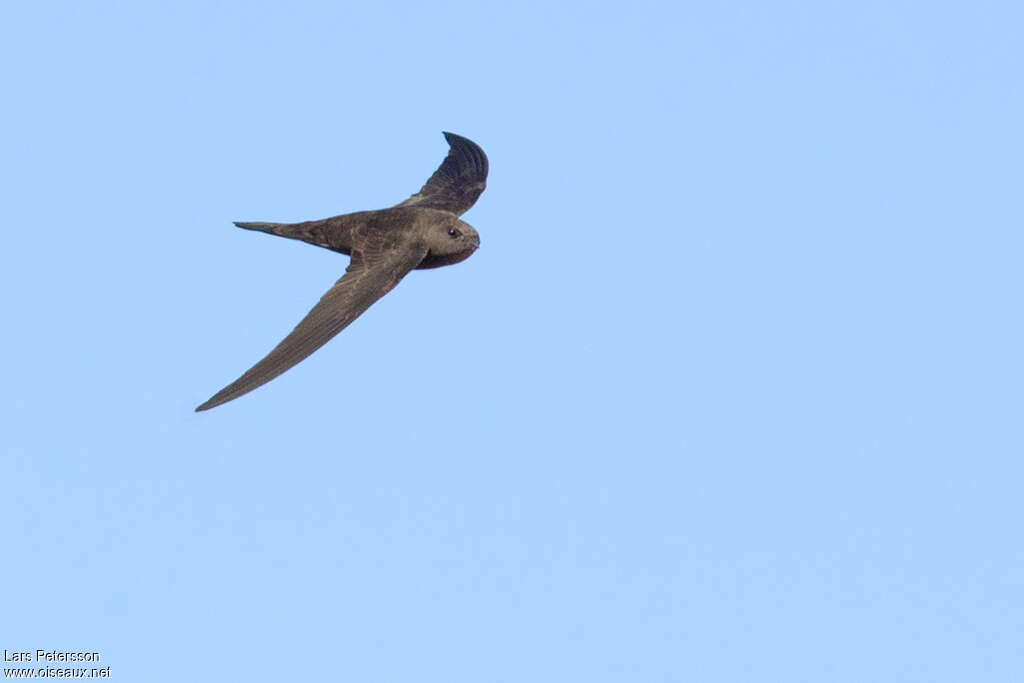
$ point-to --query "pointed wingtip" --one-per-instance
(212, 402)
(451, 137)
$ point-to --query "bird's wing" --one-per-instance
(373, 272)
(457, 182)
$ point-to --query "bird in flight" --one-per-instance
(424, 231)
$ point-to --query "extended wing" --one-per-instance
(457, 182)
(369, 277)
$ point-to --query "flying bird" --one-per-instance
(424, 231)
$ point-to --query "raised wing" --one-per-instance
(369, 277)
(457, 182)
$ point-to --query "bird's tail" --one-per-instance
(314, 232)
(282, 229)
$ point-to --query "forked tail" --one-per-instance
(282, 229)
(314, 232)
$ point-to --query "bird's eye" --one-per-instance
(452, 232)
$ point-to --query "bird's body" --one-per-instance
(422, 232)
(355, 230)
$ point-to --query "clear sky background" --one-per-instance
(732, 390)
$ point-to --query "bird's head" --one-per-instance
(449, 242)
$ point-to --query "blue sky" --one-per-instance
(732, 390)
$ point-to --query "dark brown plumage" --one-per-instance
(424, 231)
